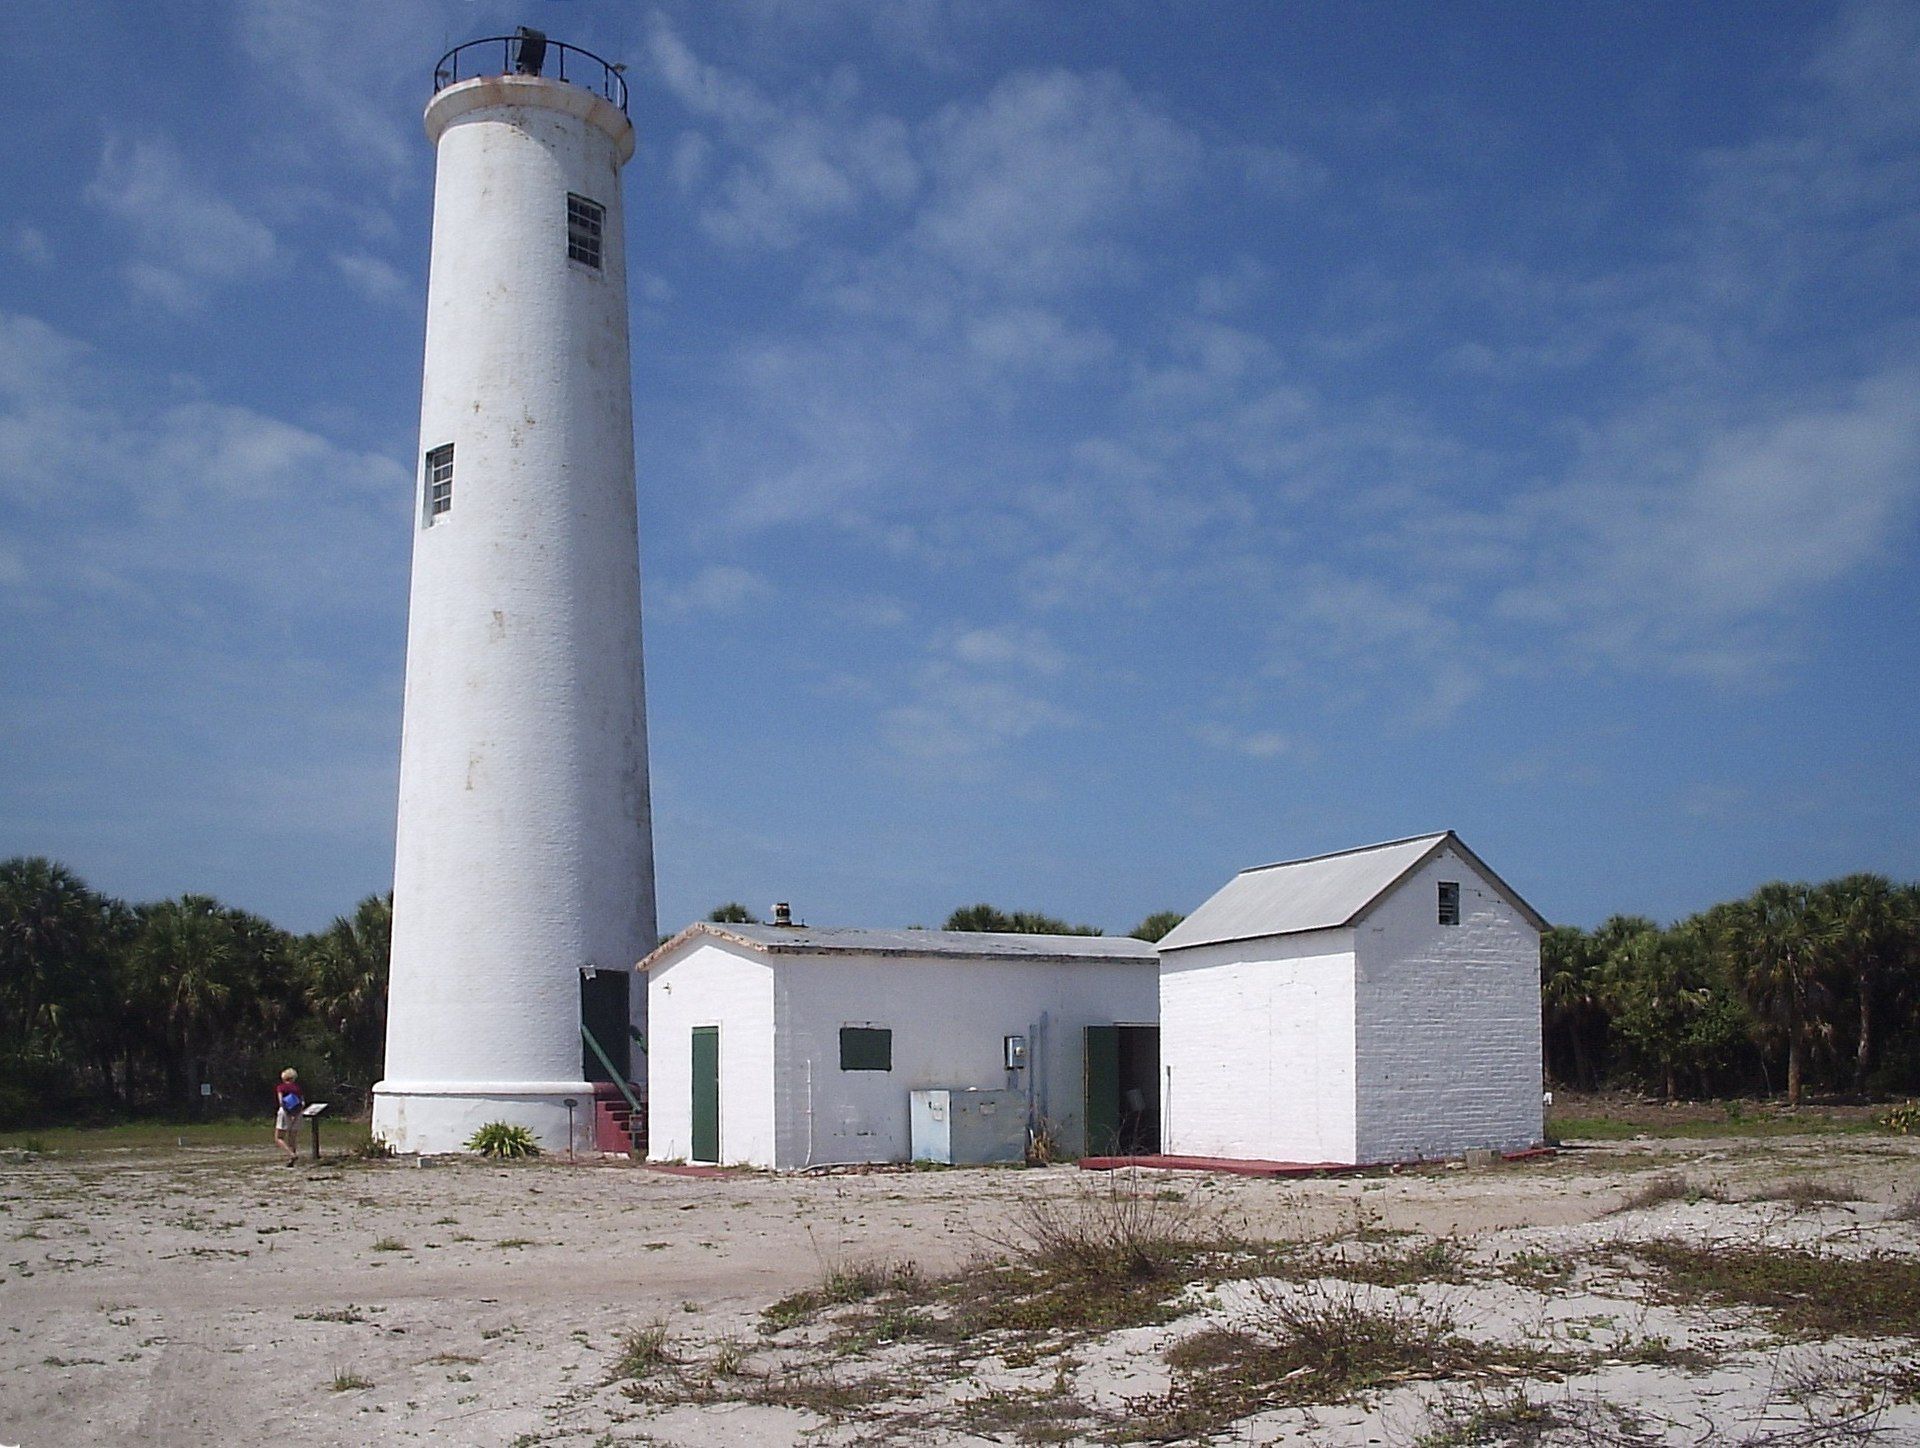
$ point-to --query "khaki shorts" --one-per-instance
(283, 1122)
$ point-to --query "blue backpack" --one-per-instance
(290, 1101)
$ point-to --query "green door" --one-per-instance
(1103, 1090)
(706, 1093)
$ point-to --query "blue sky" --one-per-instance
(1083, 451)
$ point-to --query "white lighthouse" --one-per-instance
(523, 871)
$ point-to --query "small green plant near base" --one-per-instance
(1904, 1119)
(346, 1381)
(376, 1148)
(1043, 1144)
(503, 1141)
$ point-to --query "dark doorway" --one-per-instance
(603, 1013)
(1123, 1090)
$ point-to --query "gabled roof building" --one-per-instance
(1374, 1005)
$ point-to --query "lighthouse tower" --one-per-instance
(523, 870)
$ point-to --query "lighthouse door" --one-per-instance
(603, 1015)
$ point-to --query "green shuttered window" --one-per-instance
(866, 1048)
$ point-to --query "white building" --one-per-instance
(1376, 1005)
(789, 1046)
(523, 870)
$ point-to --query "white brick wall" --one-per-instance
(711, 984)
(1448, 1035)
(1257, 1048)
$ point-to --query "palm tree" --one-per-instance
(1156, 925)
(1777, 947)
(345, 981)
(187, 965)
(1864, 914)
(53, 938)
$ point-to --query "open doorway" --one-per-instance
(1123, 1090)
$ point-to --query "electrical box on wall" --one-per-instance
(1016, 1051)
(966, 1126)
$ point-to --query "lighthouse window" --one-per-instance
(585, 221)
(439, 481)
(1449, 902)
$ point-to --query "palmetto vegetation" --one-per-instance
(108, 1007)
(1792, 986)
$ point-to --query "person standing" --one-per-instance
(286, 1121)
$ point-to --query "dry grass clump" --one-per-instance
(1804, 1193)
(644, 1352)
(1667, 1187)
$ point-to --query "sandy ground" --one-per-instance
(216, 1297)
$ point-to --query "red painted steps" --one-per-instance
(615, 1125)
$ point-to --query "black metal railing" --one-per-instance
(528, 52)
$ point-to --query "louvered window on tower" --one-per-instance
(1449, 902)
(439, 482)
(585, 221)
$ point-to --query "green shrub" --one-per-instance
(502, 1141)
(1904, 1119)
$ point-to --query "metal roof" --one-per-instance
(1323, 892)
(899, 944)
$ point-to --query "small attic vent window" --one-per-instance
(1449, 902)
(439, 482)
(585, 222)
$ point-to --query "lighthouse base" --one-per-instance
(433, 1118)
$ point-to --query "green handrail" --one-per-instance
(612, 1070)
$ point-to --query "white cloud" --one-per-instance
(190, 237)
(30, 244)
(1010, 646)
(959, 718)
(346, 67)
(167, 502)
(372, 277)
(1252, 743)
(782, 168)
(1036, 186)
(718, 588)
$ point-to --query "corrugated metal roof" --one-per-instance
(1320, 893)
(962, 944)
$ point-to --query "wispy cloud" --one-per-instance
(188, 237)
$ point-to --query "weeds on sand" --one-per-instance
(1812, 1294)
(1325, 1341)
(842, 1283)
(389, 1244)
(346, 1381)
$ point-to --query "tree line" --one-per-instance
(108, 1007)
(1796, 985)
